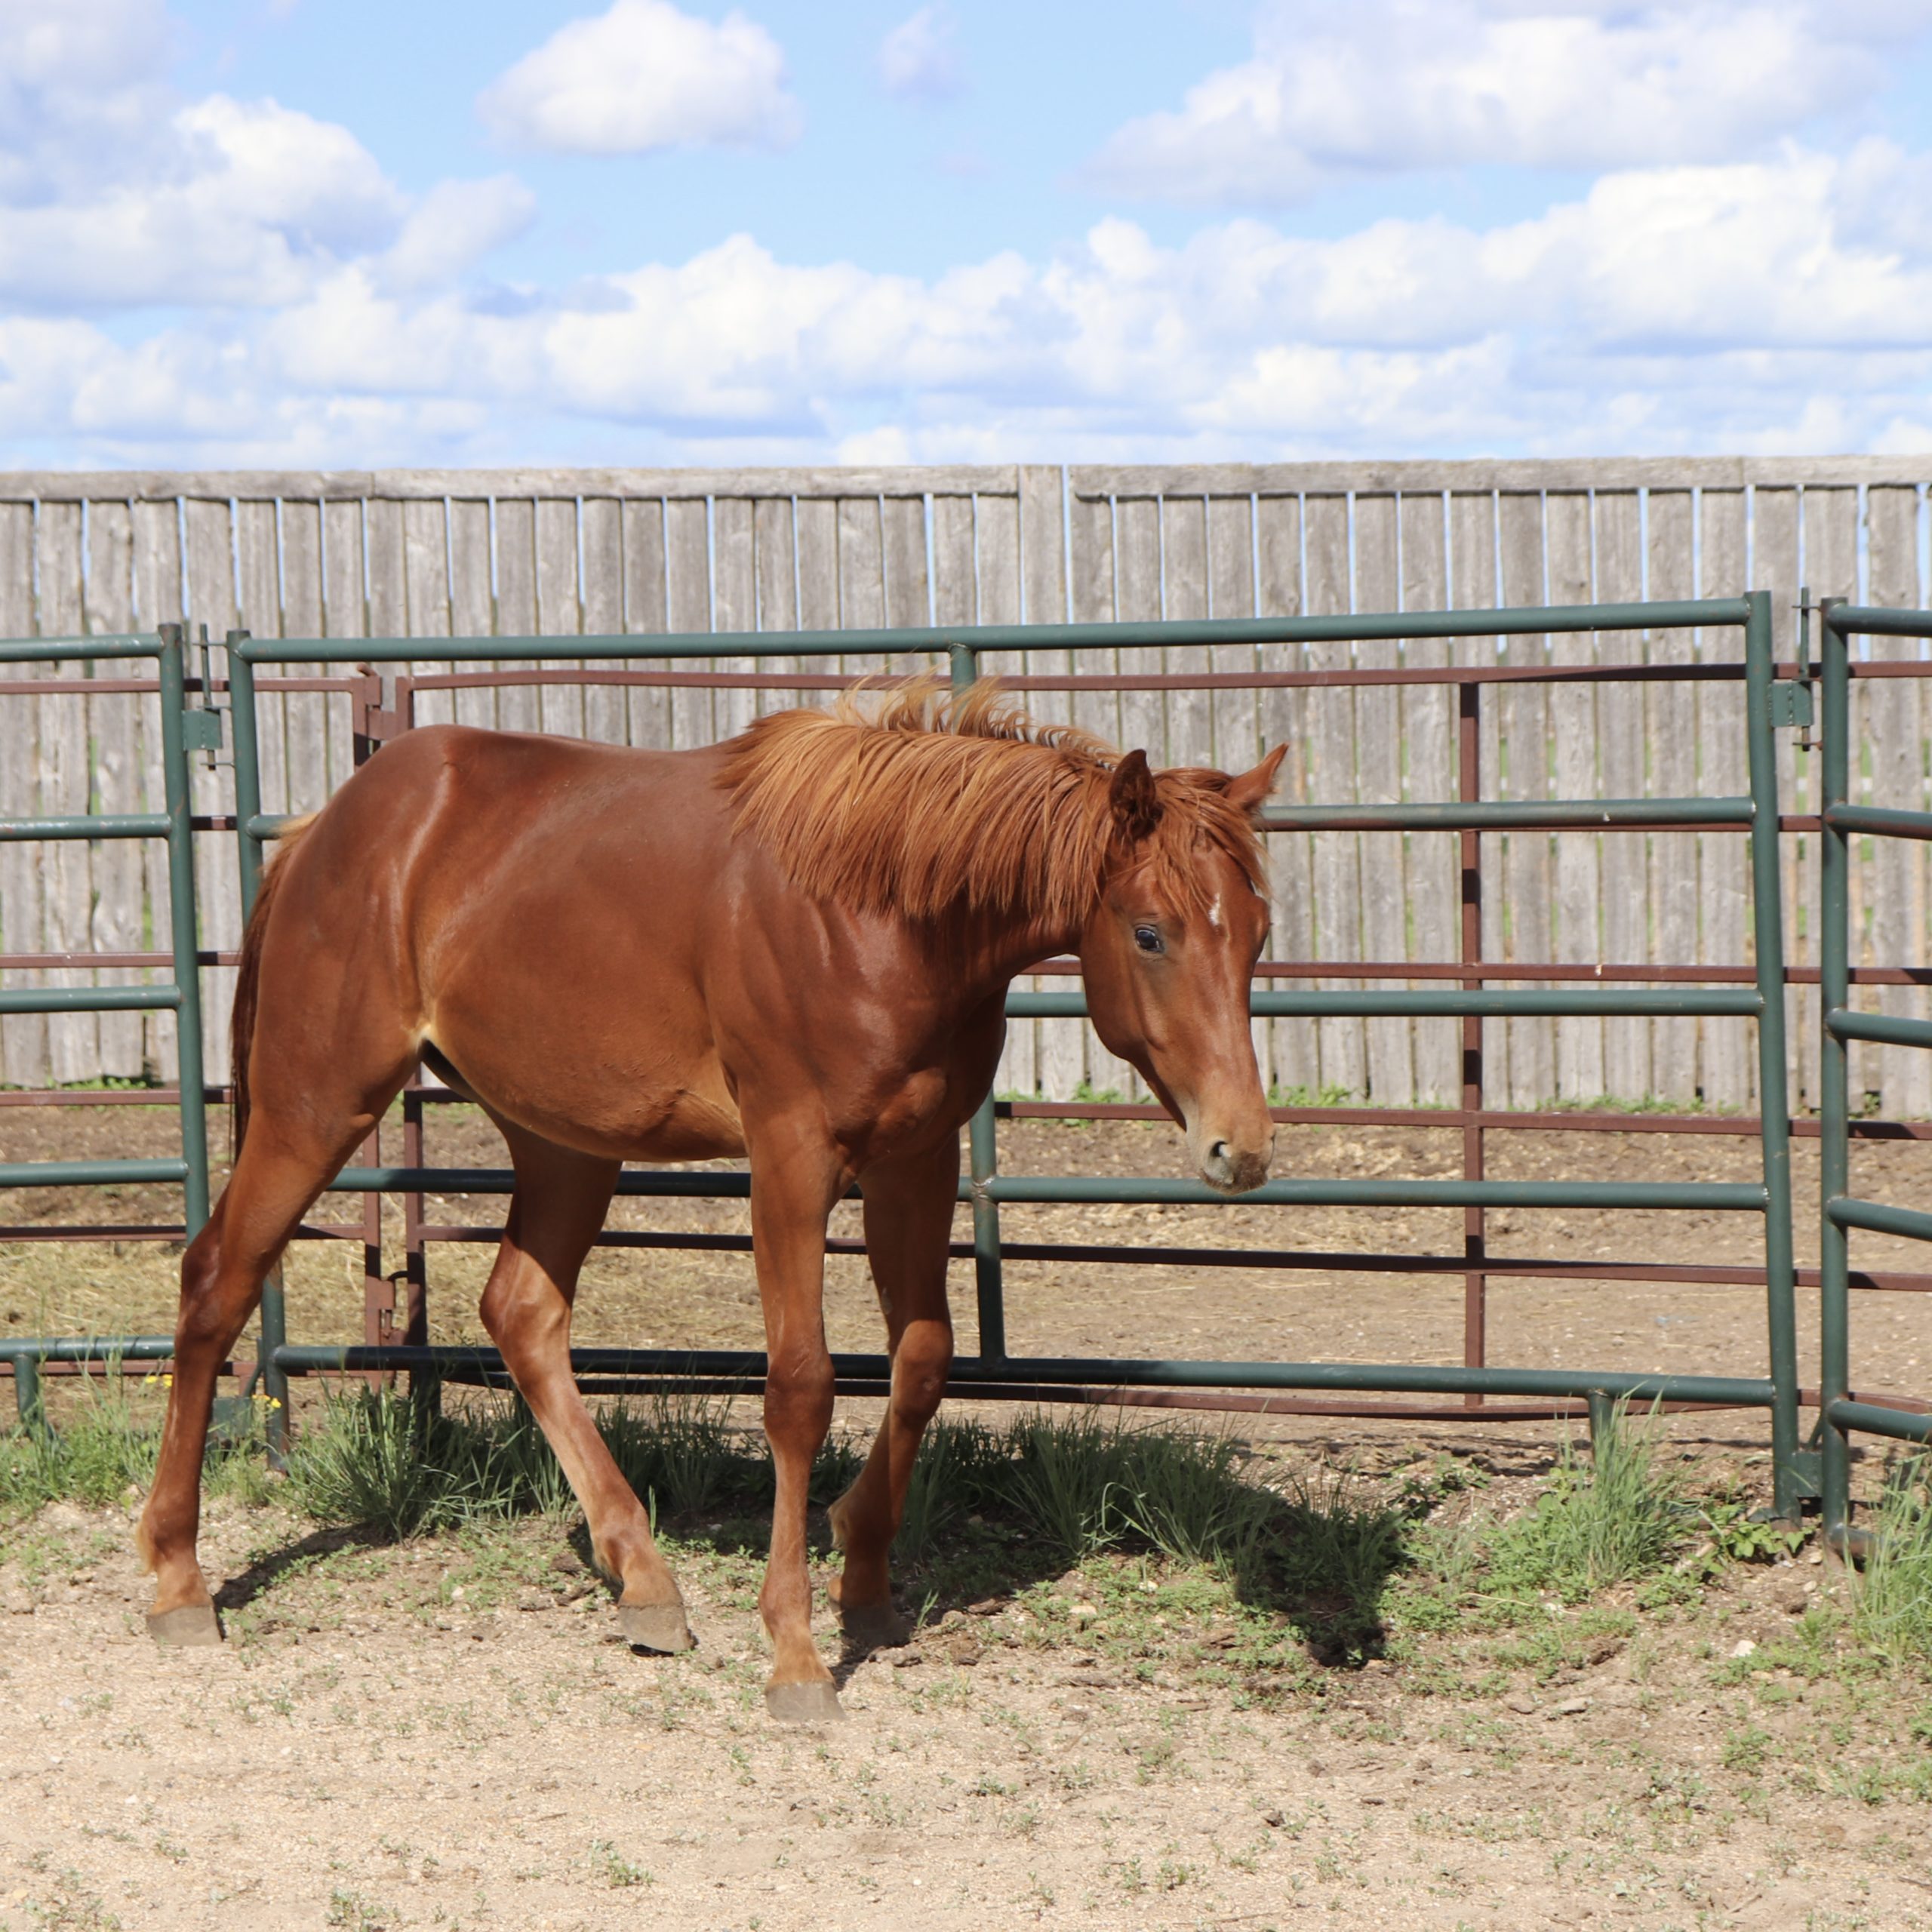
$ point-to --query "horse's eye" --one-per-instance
(1148, 939)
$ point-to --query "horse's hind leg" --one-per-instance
(283, 1165)
(560, 1200)
(909, 1221)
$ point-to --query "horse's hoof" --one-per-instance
(814, 1701)
(874, 1626)
(191, 1626)
(654, 1626)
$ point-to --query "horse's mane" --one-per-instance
(926, 803)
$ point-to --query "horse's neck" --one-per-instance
(991, 952)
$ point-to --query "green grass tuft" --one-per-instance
(1616, 1517)
(1892, 1612)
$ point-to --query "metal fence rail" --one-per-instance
(1840, 1211)
(985, 1190)
(1754, 992)
(182, 993)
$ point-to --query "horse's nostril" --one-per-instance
(1219, 1152)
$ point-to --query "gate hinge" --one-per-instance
(1791, 704)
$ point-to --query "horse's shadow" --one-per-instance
(267, 1570)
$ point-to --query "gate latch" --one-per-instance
(1791, 704)
(201, 724)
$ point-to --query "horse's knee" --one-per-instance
(921, 1365)
(798, 1386)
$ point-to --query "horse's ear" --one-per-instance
(1136, 805)
(1249, 790)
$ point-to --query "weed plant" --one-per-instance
(1892, 1612)
(106, 1445)
(1619, 1515)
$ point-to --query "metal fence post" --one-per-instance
(1833, 1097)
(184, 937)
(982, 1148)
(248, 847)
(1774, 1104)
(28, 1397)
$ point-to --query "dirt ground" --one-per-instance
(450, 1732)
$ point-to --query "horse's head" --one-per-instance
(1169, 952)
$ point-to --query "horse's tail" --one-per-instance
(248, 976)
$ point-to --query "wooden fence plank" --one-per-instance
(999, 597)
(601, 520)
(1524, 752)
(1896, 734)
(472, 599)
(118, 925)
(734, 603)
(955, 595)
(518, 706)
(1043, 600)
(646, 614)
(777, 571)
(1235, 715)
(687, 608)
(1829, 518)
(305, 713)
(1573, 725)
(559, 613)
(1472, 582)
(61, 751)
(861, 578)
(1623, 859)
(1382, 857)
(209, 531)
(346, 613)
(1429, 740)
(1143, 715)
(157, 601)
(23, 1061)
(1724, 893)
(1292, 1051)
(1068, 1055)
(426, 569)
(1667, 714)
(1190, 716)
(1331, 781)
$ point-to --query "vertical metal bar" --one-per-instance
(1834, 1107)
(982, 1148)
(1475, 1284)
(425, 1385)
(250, 854)
(185, 939)
(1774, 1104)
(1603, 1421)
(29, 1398)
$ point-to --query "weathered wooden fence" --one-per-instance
(433, 553)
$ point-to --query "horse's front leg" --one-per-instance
(908, 1224)
(796, 1175)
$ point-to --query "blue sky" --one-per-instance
(270, 232)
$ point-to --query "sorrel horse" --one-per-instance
(795, 946)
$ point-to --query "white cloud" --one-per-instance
(642, 76)
(1393, 84)
(919, 59)
(1770, 305)
(454, 226)
(114, 192)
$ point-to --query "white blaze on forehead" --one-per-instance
(1214, 913)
